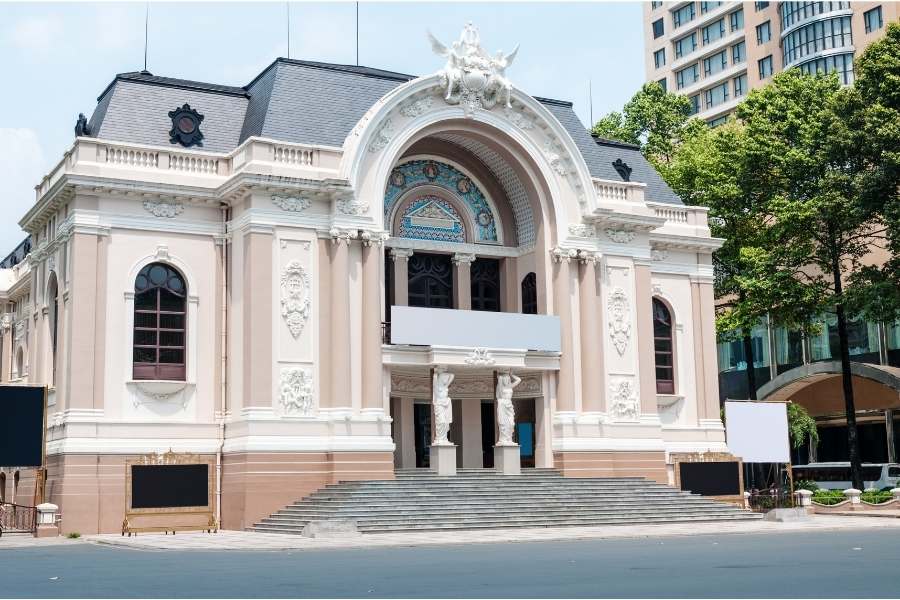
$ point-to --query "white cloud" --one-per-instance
(21, 167)
(36, 34)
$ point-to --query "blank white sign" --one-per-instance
(757, 432)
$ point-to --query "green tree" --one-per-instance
(804, 138)
(801, 427)
(655, 120)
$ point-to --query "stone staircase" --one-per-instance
(419, 500)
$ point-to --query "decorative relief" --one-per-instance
(19, 332)
(382, 136)
(463, 258)
(409, 175)
(5, 322)
(432, 218)
(659, 255)
(162, 392)
(481, 386)
(472, 77)
(620, 236)
(417, 107)
(588, 258)
(518, 119)
(352, 206)
(623, 401)
(554, 155)
(296, 386)
(619, 320)
(480, 357)
(582, 230)
(291, 203)
(295, 297)
(163, 209)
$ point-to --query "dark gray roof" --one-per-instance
(17, 255)
(309, 103)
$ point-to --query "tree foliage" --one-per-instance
(801, 426)
(655, 120)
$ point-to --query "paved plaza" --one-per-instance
(826, 556)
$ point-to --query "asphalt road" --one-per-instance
(792, 565)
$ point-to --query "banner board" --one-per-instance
(757, 432)
(22, 425)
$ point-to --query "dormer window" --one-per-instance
(622, 169)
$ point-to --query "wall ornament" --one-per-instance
(296, 385)
(163, 209)
(291, 203)
(295, 297)
(619, 320)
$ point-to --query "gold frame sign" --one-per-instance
(170, 518)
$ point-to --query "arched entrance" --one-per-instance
(817, 387)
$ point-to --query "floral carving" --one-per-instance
(296, 390)
(295, 297)
(624, 404)
(518, 119)
(620, 236)
(554, 156)
(382, 137)
(582, 230)
(291, 203)
(659, 255)
(416, 108)
(351, 206)
(5, 322)
(163, 209)
(619, 320)
(480, 357)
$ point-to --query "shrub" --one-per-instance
(875, 496)
(828, 497)
(74, 535)
(806, 484)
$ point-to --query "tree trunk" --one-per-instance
(751, 370)
(847, 378)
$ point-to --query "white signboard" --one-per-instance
(757, 432)
(478, 329)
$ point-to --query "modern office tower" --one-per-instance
(716, 52)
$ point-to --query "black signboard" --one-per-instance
(169, 486)
(21, 426)
(711, 478)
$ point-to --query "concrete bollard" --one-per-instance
(747, 500)
(853, 495)
(46, 520)
(803, 497)
(895, 492)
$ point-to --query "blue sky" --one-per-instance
(56, 58)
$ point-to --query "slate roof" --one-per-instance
(310, 103)
(17, 255)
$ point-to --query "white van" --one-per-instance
(836, 475)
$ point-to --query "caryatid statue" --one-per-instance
(443, 405)
(506, 416)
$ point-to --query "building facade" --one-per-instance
(716, 52)
(272, 274)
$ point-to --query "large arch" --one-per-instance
(529, 137)
(817, 386)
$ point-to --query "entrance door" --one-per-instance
(487, 435)
(524, 434)
(422, 433)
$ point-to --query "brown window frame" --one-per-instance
(663, 385)
(158, 369)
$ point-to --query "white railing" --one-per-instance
(193, 164)
(672, 214)
(131, 158)
(305, 157)
(618, 191)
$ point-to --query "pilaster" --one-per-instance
(372, 396)
(646, 350)
(462, 279)
(592, 369)
(400, 257)
(258, 306)
(565, 391)
(341, 343)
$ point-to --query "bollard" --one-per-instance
(804, 498)
(853, 495)
(895, 492)
(46, 520)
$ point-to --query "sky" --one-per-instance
(56, 58)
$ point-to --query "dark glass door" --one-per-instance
(486, 284)
(487, 435)
(524, 434)
(422, 433)
(430, 280)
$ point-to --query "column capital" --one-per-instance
(561, 254)
(402, 254)
(342, 235)
(588, 258)
(463, 258)
(369, 238)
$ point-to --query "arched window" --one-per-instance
(20, 363)
(52, 292)
(662, 342)
(529, 294)
(160, 302)
(2, 487)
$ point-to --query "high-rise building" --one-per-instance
(716, 52)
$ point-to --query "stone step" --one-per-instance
(509, 504)
(493, 495)
(587, 522)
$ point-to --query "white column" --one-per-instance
(462, 280)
